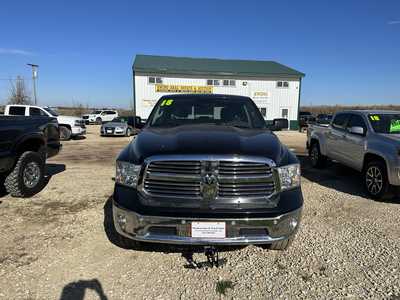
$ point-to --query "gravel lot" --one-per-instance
(59, 244)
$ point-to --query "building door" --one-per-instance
(285, 114)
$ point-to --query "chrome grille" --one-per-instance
(183, 178)
(173, 178)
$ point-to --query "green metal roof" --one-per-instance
(211, 66)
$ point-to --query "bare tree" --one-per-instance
(18, 92)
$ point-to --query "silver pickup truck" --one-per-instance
(367, 141)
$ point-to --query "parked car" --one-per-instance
(305, 117)
(100, 116)
(206, 170)
(324, 119)
(25, 143)
(367, 141)
(70, 127)
(121, 126)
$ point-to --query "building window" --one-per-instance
(224, 82)
(229, 82)
(154, 80)
(282, 84)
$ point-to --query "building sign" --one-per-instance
(190, 89)
(260, 94)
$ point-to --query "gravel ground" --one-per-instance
(59, 245)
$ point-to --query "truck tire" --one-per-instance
(282, 245)
(376, 179)
(27, 178)
(98, 121)
(317, 159)
(65, 133)
(2, 187)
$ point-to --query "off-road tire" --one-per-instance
(65, 133)
(379, 165)
(14, 182)
(99, 121)
(3, 190)
(317, 159)
(282, 245)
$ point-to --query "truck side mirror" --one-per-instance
(357, 130)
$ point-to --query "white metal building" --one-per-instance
(275, 88)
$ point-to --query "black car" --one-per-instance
(324, 119)
(206, 170)
(305, 117)
(25, 143)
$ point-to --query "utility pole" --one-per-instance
(34, 76)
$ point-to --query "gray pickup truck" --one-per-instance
(367, 141)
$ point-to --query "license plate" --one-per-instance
(208, 230)
(109, 131)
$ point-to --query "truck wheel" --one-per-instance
(317, 159)
(2, 187)
(65, 133)
(27, 178)
(282, 245)
(376, 180)
(98, 121)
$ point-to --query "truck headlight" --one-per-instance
(127, 174)
(289, 176)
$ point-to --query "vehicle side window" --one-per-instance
(34, 111)
(356, 121)
(110, 112)
(17, 110)
(340, 121)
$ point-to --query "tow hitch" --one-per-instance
(212, 258)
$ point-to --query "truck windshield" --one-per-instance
(170, 112)
(51, 111)
(385, 123)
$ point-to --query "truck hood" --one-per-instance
(67, 119)
(392, 137)
(204, 139)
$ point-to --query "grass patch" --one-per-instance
(223, 286)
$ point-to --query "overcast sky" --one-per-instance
(349, 50)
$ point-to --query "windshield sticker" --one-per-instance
(167, 102)
(374, 118)
(395, 126)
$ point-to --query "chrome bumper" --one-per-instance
(170, 230)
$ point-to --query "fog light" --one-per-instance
(293, 223)
(121, 219)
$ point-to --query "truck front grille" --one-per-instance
(185, 178)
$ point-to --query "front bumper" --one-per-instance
(175, 230)
(78, 131)
(113, 132)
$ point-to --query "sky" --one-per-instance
(349, 50)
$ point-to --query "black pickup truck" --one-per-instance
(25, 143)
(206, 170)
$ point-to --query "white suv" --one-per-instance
(100, 116)
(69, 126)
